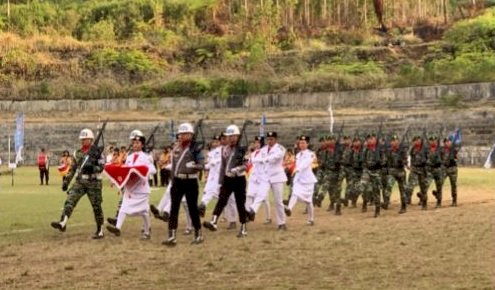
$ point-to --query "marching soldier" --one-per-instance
(187, 161)
(331, 163)
(434, 168)
(347, 167)
(233, 180)
(387, 180)
(418, 173)
(357, 171)
(88, 181)
(304, 180)
(373, 159)
(396, 162)
(449, 156)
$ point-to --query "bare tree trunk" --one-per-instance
(445, 12)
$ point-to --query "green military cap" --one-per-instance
(432, 137)
(330, 137)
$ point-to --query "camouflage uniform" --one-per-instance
(435, 171)
(417, 176)
(373, 160)
(347, 172)
(449, 158)
(357, 172)
(396, 160)
(331, 178)
(88, 182)
(387, 184)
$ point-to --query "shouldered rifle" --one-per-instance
(197, 146)
(424, 147)
(150, 142)
(94, 152)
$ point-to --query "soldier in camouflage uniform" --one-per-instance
(449, 158)
(357, 171)
(347, 167)
(396, 161)
(434, 168)
(88, 181)
(320, 171)
(373, 160)
(417, 176)
(386, 178)
(330, 162)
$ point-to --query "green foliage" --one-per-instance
(473, 35)
(101, 31)
(133, 62)
(18, 62)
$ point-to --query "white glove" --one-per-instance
(191, 164)
(168, 166)
(234, 170)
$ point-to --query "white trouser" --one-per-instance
(208, 196)
(146, 220)
(278, 195)
(251, 206)
(231, 210)
(309, 205)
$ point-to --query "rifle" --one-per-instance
(150, 142)
(197, 146)
(94, 153)
(405, 136)
(241, 150)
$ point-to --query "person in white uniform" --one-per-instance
(212, 186)
(136, 195)
(304, 180)
(254, 197)
(273, 177)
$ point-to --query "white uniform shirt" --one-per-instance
(273, 169)
(213, 164)
(304, 171)
(140, 158)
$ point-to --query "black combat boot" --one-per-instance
(114, 230)
(424, 204)
(112, 221)
(287, 211)
(354, 203)
(364, 208)
(454, 200)
(62, 224)
(172, 239)
(211, 225)
(98, 234)
(402, 208)
(331, 206)
(243, 231)
(251, 215)
(198, 237)
(337, 209)
(377, 211)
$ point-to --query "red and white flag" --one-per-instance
(122, 175)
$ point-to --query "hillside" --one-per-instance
(154, 48)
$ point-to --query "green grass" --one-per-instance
(449, 248)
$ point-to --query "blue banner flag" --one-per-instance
(19, 137)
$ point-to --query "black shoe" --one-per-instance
(402, 209)
(337, 210)
(58, 226)
(112, 221)
(251, 215)
(113, 230)
(165, 216)
(172, 240)
(285, 202)
(155, 211)
(385, 206)
(288, 212)
(377, 211)
(198, 237)
(242, 232)
(211, 226)
(98, 234)
(282, 227)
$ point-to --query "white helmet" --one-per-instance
(86, 134)
(135, 133)
(185, 128)
(232, 130)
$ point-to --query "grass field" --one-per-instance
(447, 248)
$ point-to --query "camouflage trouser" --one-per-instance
(451, 173)
(331, 182)
(93, 190)
(417, 176)
(347, 175)
(387, 184)
(355, 185)
(371, 185)
(437, 175)
(399, 175)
